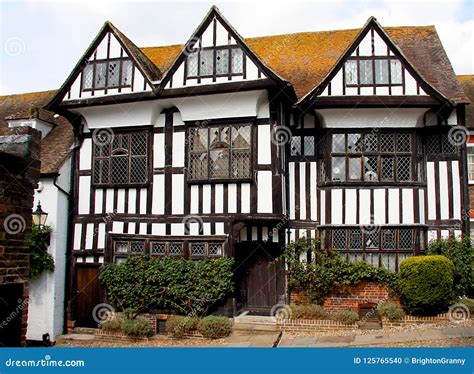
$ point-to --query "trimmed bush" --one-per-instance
(392, 310)
(469, 303)
(308, 311)
(215, 327)
(347, 317)
(426, 284)
(179, 326)
(137, 328)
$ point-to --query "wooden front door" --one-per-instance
(88, 295)
(261, 279)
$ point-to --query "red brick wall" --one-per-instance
(19, 173)
(348, 296)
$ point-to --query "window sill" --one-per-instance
(372, 184)
(215, 181)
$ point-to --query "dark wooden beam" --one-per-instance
(375, 101)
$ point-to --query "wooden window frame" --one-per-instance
(373, 59)
(106, 86)
(130, 156)
(328, 157)
(214, 74)
(251, 150)
(302, 157)
(470, 165)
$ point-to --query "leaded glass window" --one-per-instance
(373, 71)
(215, 61)
(121, 159)
(220, 152)
(112, 73)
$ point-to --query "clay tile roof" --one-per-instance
(467, 83)
(304, 59)
(55, 146)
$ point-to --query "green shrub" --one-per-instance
(426, 284)
(328, 270)
(137, 328)
(40, 259)
(347, 317)
(310, 311)
(179, 326)
(469, 303)
(392, 310)
(215, 327)
(191, 287)
(461, 253)
(113, 325)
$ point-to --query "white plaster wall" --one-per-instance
(46, 291)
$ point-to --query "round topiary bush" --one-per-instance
(215, 327)
(426, 284)
(392, 310)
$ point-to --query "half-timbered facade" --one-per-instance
(234, 147)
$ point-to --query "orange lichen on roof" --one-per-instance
(467, 83)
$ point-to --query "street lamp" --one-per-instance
(39, 216)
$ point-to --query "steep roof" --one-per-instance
(304, 59)
(467, 83)
(54, 146)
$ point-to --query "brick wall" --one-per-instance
(348, 296)
(19, 173)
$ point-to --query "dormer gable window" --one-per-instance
(221, 61)
(111, 73)
(373, 71)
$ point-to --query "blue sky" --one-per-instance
(43, 40)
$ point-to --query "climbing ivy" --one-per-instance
(40, 259)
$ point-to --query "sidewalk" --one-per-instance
(378, 338)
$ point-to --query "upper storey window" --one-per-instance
(112, 73)
(220, 152)
(222, 61)
(373, 71)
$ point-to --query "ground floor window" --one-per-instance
(192, 247)
(379, 246)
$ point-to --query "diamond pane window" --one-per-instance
(371, 168)
(158, 249)
(387, 143)
(198, 249)
(405, 240)
(395, 72)
(222, 61)
(308, 145)
(355, 239)
(113, 74)
(448, 144)
(295, 146)
(381, 71)
(338, 168)
(370, 142)
(137, 247)
(351, 72)
(206, 66)
(121, 247)
(432, 145)
(175, 249)
(388, 239)
(338, 143)
(215, 249)
(125, 161)
(339, 239)
(237, 60)
(227, 155)
(88, 76)
(371, 239)
(354, 143)
(403, 143)
(365, 72)
(127, 71)
(404, 168)
(354, 168)
(192, 67)
(387, 168)
(100, 74)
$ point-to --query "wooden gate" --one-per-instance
(88, 294)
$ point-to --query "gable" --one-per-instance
(373, 68)
(215, 54)
(109, 70)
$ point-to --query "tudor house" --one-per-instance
(226, 146)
